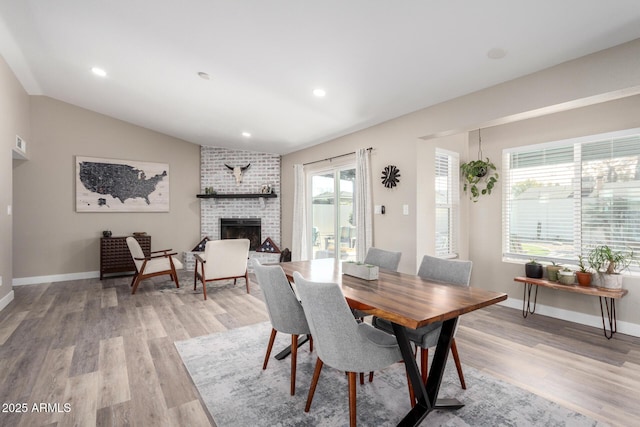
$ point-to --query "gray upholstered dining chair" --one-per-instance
(341, 342)
(285, 311)
(450, 271)
(382, 258)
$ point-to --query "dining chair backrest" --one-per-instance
(338, 338)
(332, 325)
(382, 258)
(285, 311)
(452, 271)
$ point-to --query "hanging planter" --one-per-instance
(479, 176)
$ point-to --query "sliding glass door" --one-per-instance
(333, 231)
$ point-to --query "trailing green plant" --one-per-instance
(606, 260)
(480, 176)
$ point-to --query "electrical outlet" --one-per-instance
(0, 280)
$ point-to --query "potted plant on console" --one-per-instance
(583, 275)
(533, 269)
(607, 264)
(552, 271)
(565, 276)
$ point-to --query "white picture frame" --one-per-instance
(113, 185)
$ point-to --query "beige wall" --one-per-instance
(409, 141)
(14, 119)
(485, 219)
(50, 238)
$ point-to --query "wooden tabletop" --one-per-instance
(404, 299)
(579, 289)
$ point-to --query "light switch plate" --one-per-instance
(405, 209)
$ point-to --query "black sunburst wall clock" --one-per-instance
(390, 175)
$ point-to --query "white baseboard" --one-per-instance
(6, 300)
(574, 316)
(35, 280)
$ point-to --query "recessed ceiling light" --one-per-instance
(99, 72)
(319, 92)
(204, 75)
(246, 134)
(496, 53)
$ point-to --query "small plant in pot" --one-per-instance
(583, 275)
(565, 276)
(608, 263)
(533, 269)
(479, 177)
(552, 271)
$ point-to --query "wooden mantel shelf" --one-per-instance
(237, 196)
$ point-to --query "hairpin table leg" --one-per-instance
(610, 303)
(526, 300)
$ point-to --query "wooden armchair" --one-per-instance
(222, 259)
(158, 263)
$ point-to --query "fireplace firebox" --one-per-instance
(242, 228)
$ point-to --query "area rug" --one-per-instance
(226, 368)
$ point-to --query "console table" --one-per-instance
(115, 256)
(608, 296)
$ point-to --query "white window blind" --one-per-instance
(562, 199)
(447, 170)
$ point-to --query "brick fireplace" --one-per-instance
(264, 170)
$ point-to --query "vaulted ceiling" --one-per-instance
(262, 60)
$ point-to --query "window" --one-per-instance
(447, 202)
(561, 199)
(333, 231)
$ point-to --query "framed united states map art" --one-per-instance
(109, 185)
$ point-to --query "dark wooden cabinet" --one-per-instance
(115, 256)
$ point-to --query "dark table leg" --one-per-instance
(426, 396)
(287, 351)
(610, 303)
(526, 300)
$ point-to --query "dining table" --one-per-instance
(408, 302)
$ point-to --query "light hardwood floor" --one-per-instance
(110, 357)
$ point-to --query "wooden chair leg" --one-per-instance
(456, 359)
(204, 284)
(174, 275)
(135, 276)
(314, 383)
(424, 361)
(371, 376)
(352, 399)
(294, 358)
(136, 282)
(272, 338)
(361, 378)
(310, 343)
(412, 395)
(246, 280)
(195, 276)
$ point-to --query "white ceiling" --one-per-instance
(376, 59)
